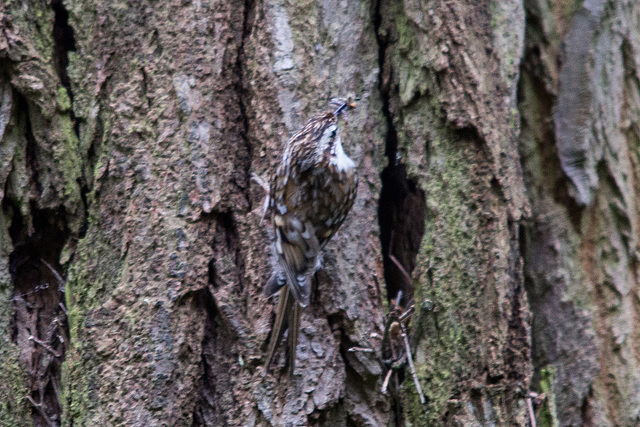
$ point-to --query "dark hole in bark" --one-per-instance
(477, 398)
(402, 205)
(65, 41)
(401, 211)
(212, 273)
(401, 217)
(40, 326)
(225, 242)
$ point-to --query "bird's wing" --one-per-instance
(298, 249)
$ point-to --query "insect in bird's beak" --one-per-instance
(347, 105)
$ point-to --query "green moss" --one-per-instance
(406, 33)
(62, 98)
(77, 402)
(14, 410)
(547, 416)
(443, 352)
(14, 381)
(68, 158)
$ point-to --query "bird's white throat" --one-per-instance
(340, 159)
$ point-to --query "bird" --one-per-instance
(310, 195)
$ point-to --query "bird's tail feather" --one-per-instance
(294, 329)
(290, 310)
(278, 325)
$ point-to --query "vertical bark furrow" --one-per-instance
(580, 258)
(401, 207)
(39, 321)
(64, 40)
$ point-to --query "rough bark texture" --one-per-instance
(452, 73)
(498, 149)
(580, 106)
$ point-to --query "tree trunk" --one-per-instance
(498, 150)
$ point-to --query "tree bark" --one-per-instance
(498, 149)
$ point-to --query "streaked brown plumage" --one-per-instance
(311, 194)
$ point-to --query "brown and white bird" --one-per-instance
(310, 196)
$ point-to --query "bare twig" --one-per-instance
(54, 272)
(360, 349)
(401, 268)
(398, 299)
(395, 326)
(385, 383)
(39, 287)
(532, 415)
(57, 393)
(407, 349)
(64, 309)
(40, 410)
(408, 312)
(44, 345)
(393, 259)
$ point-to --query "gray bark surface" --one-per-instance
(498, 151)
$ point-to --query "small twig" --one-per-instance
(41, 411)
(360, 349)
(398, 299)
(393, 259)
(45, 346)
(64, 309)
(54, 272)
(407, 349)
(39, 287)
(385, 383)
(57, 393)
(408, 312)
(401, 268)
(532, 415)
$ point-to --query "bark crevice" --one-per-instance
(402, 203)
(208, 410)
(39, 324)
(219, 336)
(65, 42)
(242, 96)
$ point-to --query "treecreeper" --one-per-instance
(309, 198)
